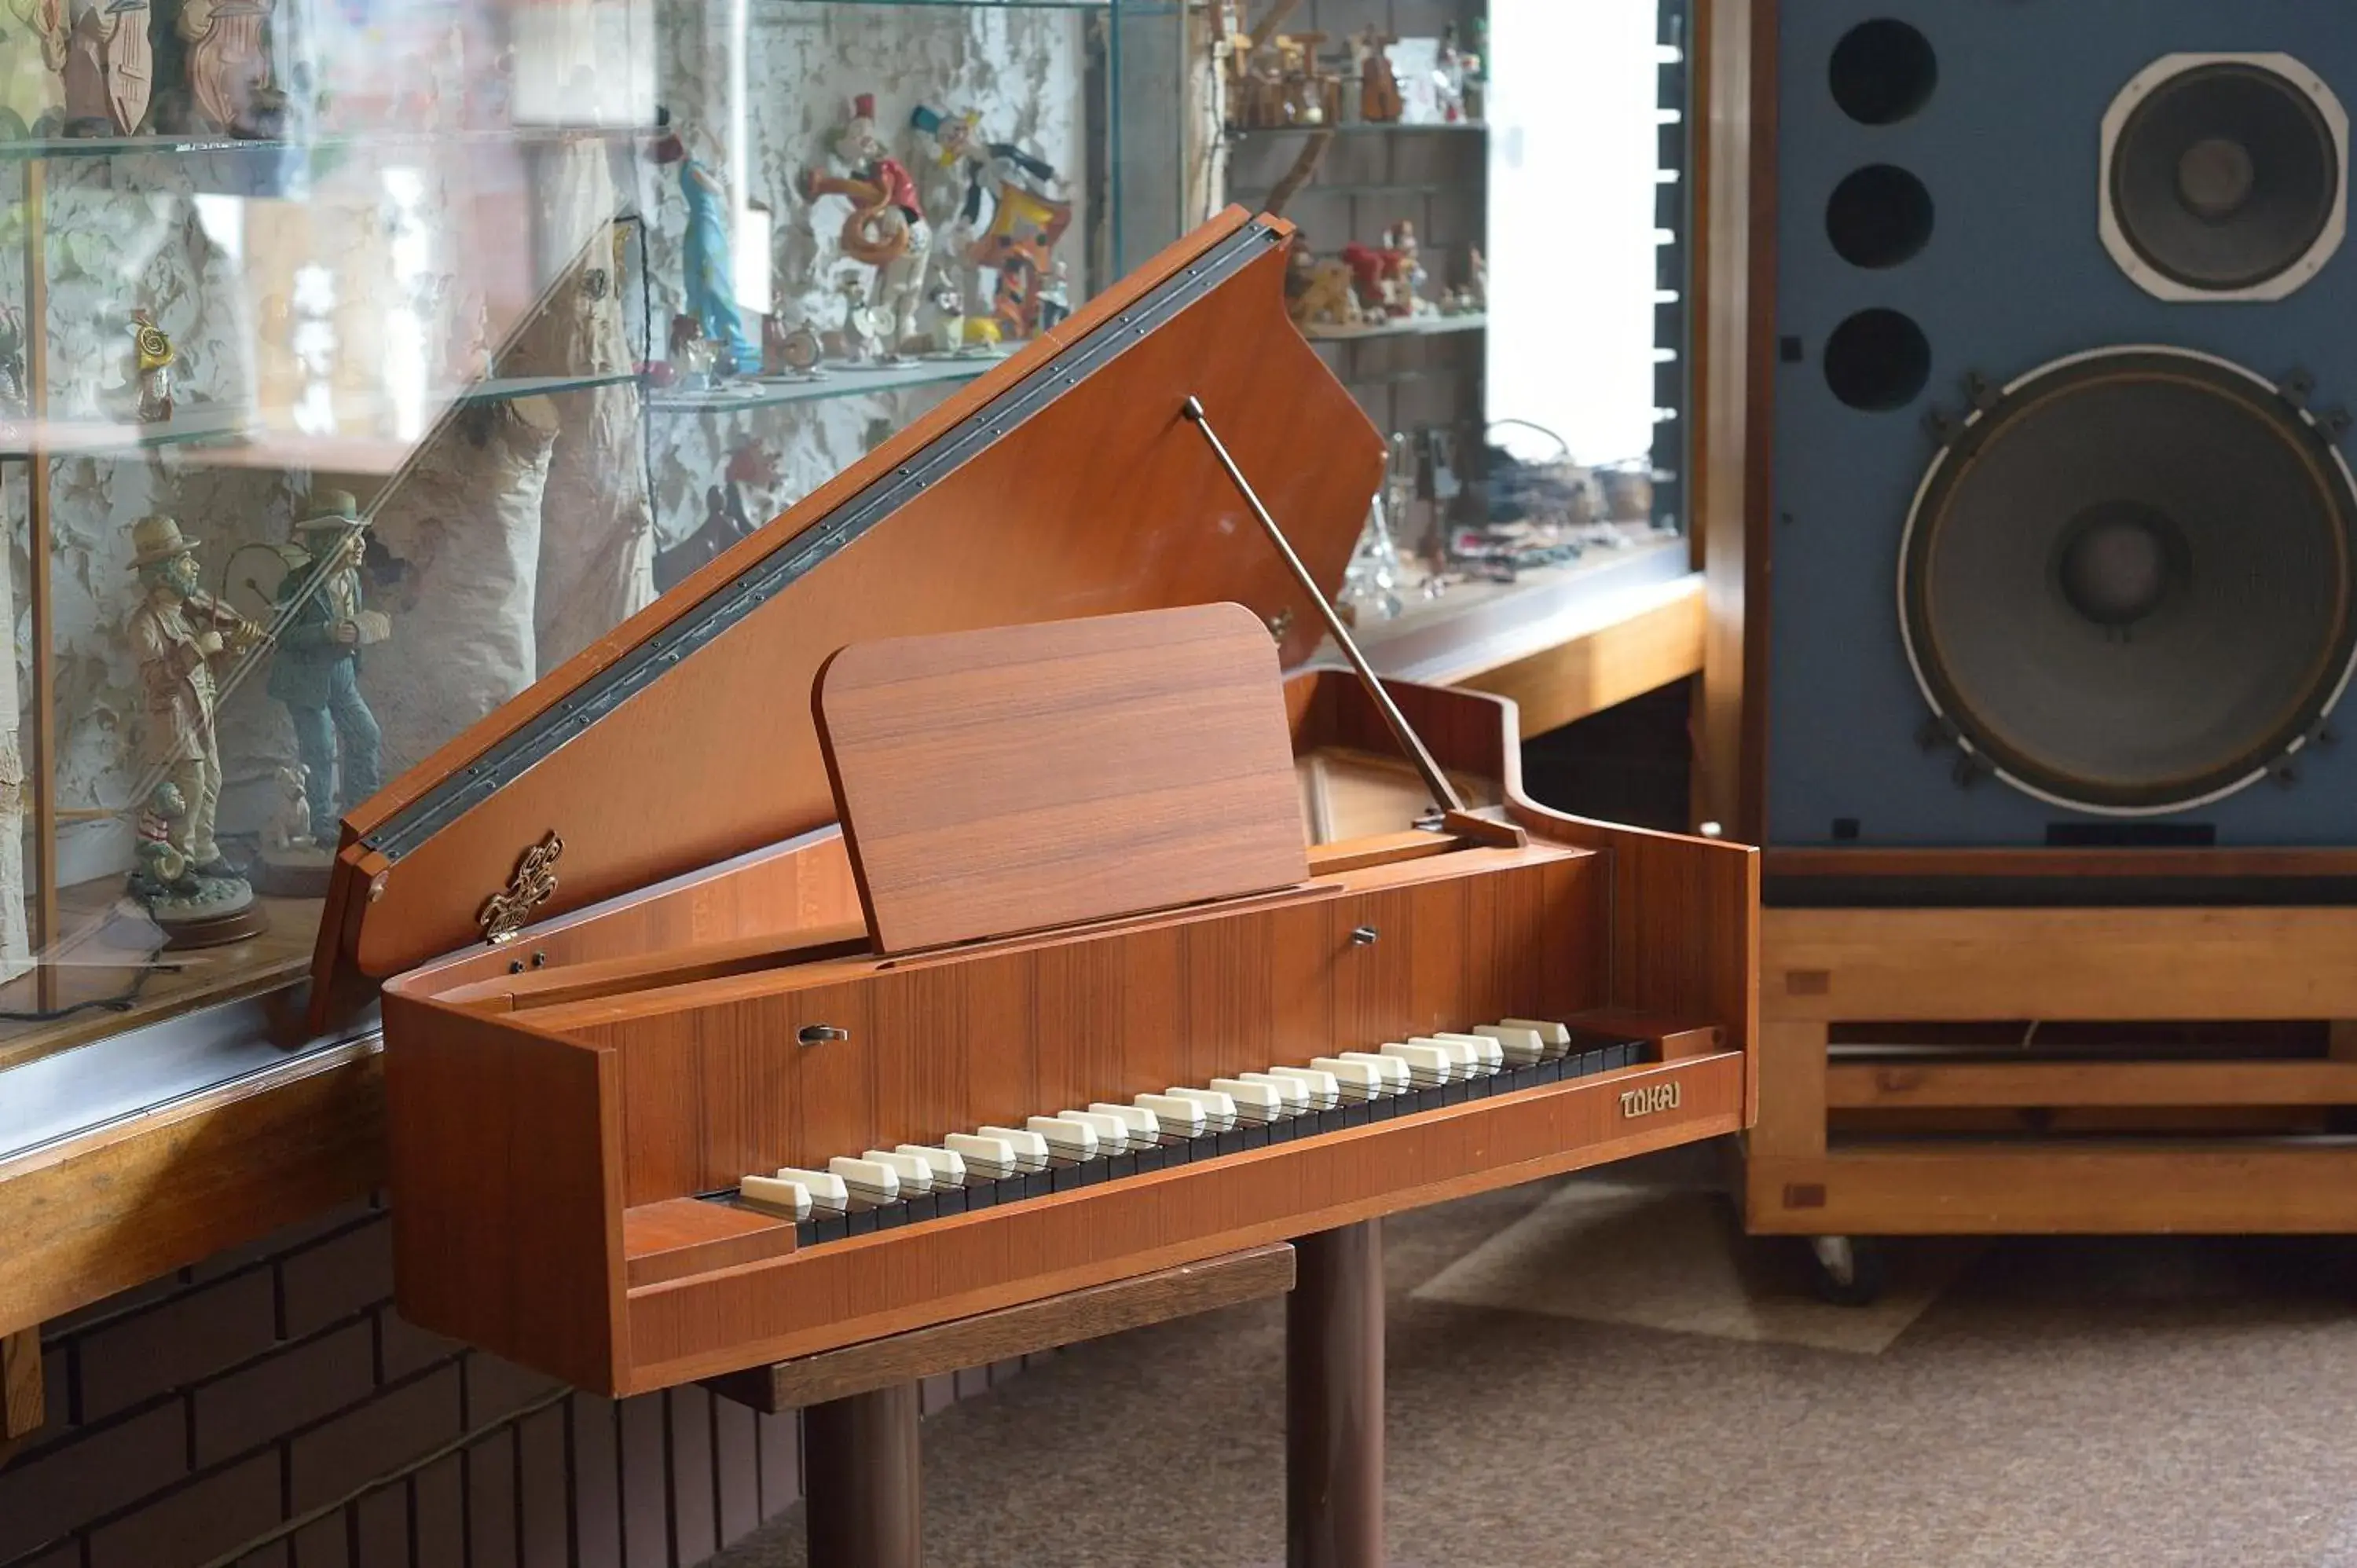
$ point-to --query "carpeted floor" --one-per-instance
(2150, 1402)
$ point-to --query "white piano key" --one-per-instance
(992, 1158)
(1219, 1109)
(1428, 1065)
(1463, 1059)
(1322, 1089)
(867, 1179)
(1030, 1148)
(1176, 1112)
(1113, 1132)
(1069, 1139)
(828, 1194)
(1521, 1044)
(1554, 1037)
(788, 1200)
(1294, 1094)
(1357, 1081)
(1488, 1055)
(1143, 1125)
(916, 1175)
(1394, 1071)
(948, 1169)
(1255, 1102)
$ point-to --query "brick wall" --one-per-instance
(269, 1408)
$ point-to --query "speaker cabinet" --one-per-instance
(2064, 539)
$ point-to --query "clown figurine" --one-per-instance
(886, 228)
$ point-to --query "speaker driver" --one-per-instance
(2128, 585)
(2225, 176)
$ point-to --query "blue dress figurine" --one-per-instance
(711, 260)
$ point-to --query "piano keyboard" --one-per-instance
(1062, 1151)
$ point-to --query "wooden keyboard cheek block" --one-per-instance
(897, 1279)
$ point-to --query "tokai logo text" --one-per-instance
(1653, 1097)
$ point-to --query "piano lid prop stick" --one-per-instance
(1444, 794)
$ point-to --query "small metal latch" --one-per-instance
(1364, 937)
(1280, 623)
(819, 1033)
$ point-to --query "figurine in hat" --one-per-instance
(323, 626)
(711, 262)
(178, 632)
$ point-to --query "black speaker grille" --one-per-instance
(2128, 584)
(2225, 177)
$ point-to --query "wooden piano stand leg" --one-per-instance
(860, 1472)
(1334, 1401)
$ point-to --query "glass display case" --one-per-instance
(361, 361)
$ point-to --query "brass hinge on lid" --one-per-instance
(506, 913)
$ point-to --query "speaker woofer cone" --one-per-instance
(2225, 176)
(2129, 585)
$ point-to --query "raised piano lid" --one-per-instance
(1062, 483)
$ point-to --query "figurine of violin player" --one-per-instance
(178, 632)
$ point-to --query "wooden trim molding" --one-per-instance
(1734, 279)
(21, 1409)
(125, 1204)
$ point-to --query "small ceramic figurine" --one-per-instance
(860, 338)
(1020, 244)
(1320, 293)
(287, 828)
(1056, 296)
(228, 60)
(1379, 93)
(949, 319)
(324, 623)
(692, 355)
(1448, 77)
(886, 228)
(789, 349)
(151, 357)
(710, 262)
(176, 632)
(109, 68)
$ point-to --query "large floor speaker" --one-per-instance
(2064, 535)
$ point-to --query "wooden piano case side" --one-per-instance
(1682, 913)
(506, 1183)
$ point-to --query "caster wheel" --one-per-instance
(1849, 1270)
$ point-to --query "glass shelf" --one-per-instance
(270, 438)
(61, 149)
(1378, 187)
(1412, 327)
(1357, 128)
(840, 380)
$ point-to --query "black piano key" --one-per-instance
(860, 1223)
(920, 1208)
(1039, 1184)
(1478, 1089)
(806, 1233)
(832, 1227)
(1119, 1168)
(981, 1192)
(1256, 1137)
(1334, 1121)
(1458, 1093)
(1231, 1142)
(1357, 1114)
(1591, 1063)
(891, 1216)
(948, 1201)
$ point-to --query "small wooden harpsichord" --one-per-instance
(682, 1078)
